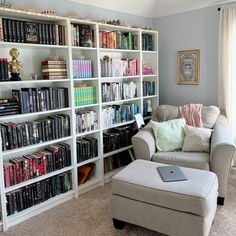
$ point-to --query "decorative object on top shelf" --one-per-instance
(14, 65)
(113, 22)
(51, 13)
(188, 67)
(5, 4)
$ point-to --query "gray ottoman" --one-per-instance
(181, 208)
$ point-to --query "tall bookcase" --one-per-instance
(31, 56)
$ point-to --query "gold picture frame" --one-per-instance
(188, 67)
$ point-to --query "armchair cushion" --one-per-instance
(169, 134)
(197, 160)
(196, 139)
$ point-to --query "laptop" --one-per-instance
(171, 173)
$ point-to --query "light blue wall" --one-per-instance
(63, 7)
(191, 30)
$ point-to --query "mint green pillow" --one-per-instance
(169, 134)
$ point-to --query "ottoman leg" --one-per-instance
(118, 224)
(220, 201)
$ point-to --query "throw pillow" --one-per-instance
(196, 139)
(169, 134)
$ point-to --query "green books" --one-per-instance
(85, 95)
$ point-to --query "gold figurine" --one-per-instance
(14, 65)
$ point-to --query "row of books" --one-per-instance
(85, 95)
(54, 69)
(52, 158)
(147, 42)
(4, 75)
(82, 69)
(8, 107)
(118, 114)
(86, 148)
(116, 138)
(86, 121)
(118, 91)
(119, 67)
(31, 32)
(16, 135)
(148, 88)
(116, 161)
(40, 99)
(85, 172)
(82, 35)
(118, 40)
(146, 108)
(38, 192)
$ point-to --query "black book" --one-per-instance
(10, 38)
(31, 32)
(50, 34)
(44, 34)
(47, 34)
(40, 33)
(22, 35)
(13, 28)
(54, 34)
(18, 33)
(5, 30)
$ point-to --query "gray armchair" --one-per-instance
(219, 159)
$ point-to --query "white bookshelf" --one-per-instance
(31, 56)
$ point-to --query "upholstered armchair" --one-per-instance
(218, 160)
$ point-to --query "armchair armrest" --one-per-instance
(222, 152)
(144, 144)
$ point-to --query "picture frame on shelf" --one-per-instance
(188, 67)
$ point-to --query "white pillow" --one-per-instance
(196, 139)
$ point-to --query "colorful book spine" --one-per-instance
(82, 69)
(85, 95)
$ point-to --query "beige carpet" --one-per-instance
(89, 215)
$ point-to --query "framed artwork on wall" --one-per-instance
(188, 67)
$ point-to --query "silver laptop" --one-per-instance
(171, 173)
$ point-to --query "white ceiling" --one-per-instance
(152, 8)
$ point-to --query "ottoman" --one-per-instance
(180, 208)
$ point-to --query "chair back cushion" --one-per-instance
(169, 112)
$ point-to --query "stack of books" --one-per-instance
(4, 75)
(82, 69)
(147, 70)
(54, 69)
(85, 95)
(148, 88)
(86, 121)
(85, 172)
(147, 42)
(8, 107)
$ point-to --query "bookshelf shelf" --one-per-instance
(85, 106)
(151, 96)
(31, 45)
(84, 48)
(34, 54)
(84, 79)
(86, 133)
(116, 151)
(152, 75)
(110, 174)
(28, 115)
(119, 124)
(118, 50)
(88, 161)
(147, 117)
(88, 184)
(154, 52)
(39, 145)
(20, 83)
(31, 181)
(121, 77)
(120, 101)
(37, 209)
